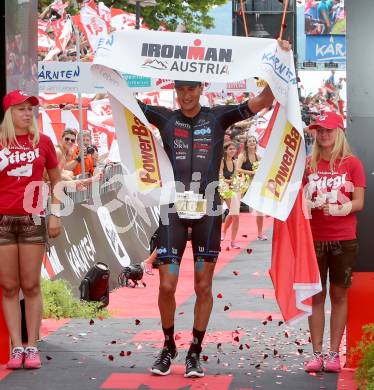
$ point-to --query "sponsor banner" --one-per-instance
(326, 48)
(116, 236)
(74, 77)
(283, 161)
(153, 174)
(212, 59)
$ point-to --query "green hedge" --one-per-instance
(59, 302)
(365, 353)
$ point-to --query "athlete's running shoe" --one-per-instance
(193, 366)
(162, 364)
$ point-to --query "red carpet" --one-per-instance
(127, 302)
(171, 382)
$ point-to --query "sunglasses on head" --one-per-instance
(68, 139)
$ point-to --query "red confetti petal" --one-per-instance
(236, 273)
(92, 322)
(122, 353)
(236, 338)
(113, 342)
(226, 308)
(265, 355)
(111, 357)
(309, 339)
(286, 334)
(177, 337)
(275, 352)
(205, 358)
(144, 284)
(258, 365)
(280, 323)
(249, 251)
(219, 295)
(247, 346)
(181, 313)
(219, 345)
(128, 353)
(244, 235)
(227, 248)
(137, 322)
(300, 350)
(48, 357)
(264, 322)
(241, 346)
(269, 318)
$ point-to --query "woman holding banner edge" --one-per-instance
(24, 154)
(334, 186)
(193, 140)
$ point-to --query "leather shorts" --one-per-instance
(22, 229)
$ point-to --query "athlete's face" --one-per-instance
(326, 137)
(22, 115)
(188, 98)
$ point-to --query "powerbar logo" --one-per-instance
(189, 59)
(283, 165)
(144, 152)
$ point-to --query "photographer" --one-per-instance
(90, 156)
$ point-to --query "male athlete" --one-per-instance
(193, 140)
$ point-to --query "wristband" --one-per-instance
(55, 209)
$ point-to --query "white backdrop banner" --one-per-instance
(214, 59)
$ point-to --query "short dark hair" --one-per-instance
(180, 83)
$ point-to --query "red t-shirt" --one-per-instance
(20, 166)
(336, 187)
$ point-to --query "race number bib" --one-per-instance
(190, 205)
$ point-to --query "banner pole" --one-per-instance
(283, 20)
(80, 142)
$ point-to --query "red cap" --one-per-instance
(328, 120)
(17, 97)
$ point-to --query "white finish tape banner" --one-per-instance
(215, 59)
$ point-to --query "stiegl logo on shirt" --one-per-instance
(8, 158)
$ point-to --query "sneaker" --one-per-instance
(315, 364)
(193, 366)
(332, 362)
(235, 245)
(16, 358)
(262, 237)
(147, 268)
(163, 362)
(32, 358)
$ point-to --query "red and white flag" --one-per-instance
(294, 268)
(60, 7)
(92, 24)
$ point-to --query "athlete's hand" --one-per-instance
(284, 45)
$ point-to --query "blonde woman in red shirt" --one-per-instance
(24, 155)
(334, 186)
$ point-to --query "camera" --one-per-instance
(91, 149)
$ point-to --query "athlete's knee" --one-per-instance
(167, 288)
(203, 289)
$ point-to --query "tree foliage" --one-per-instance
(193, 14)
